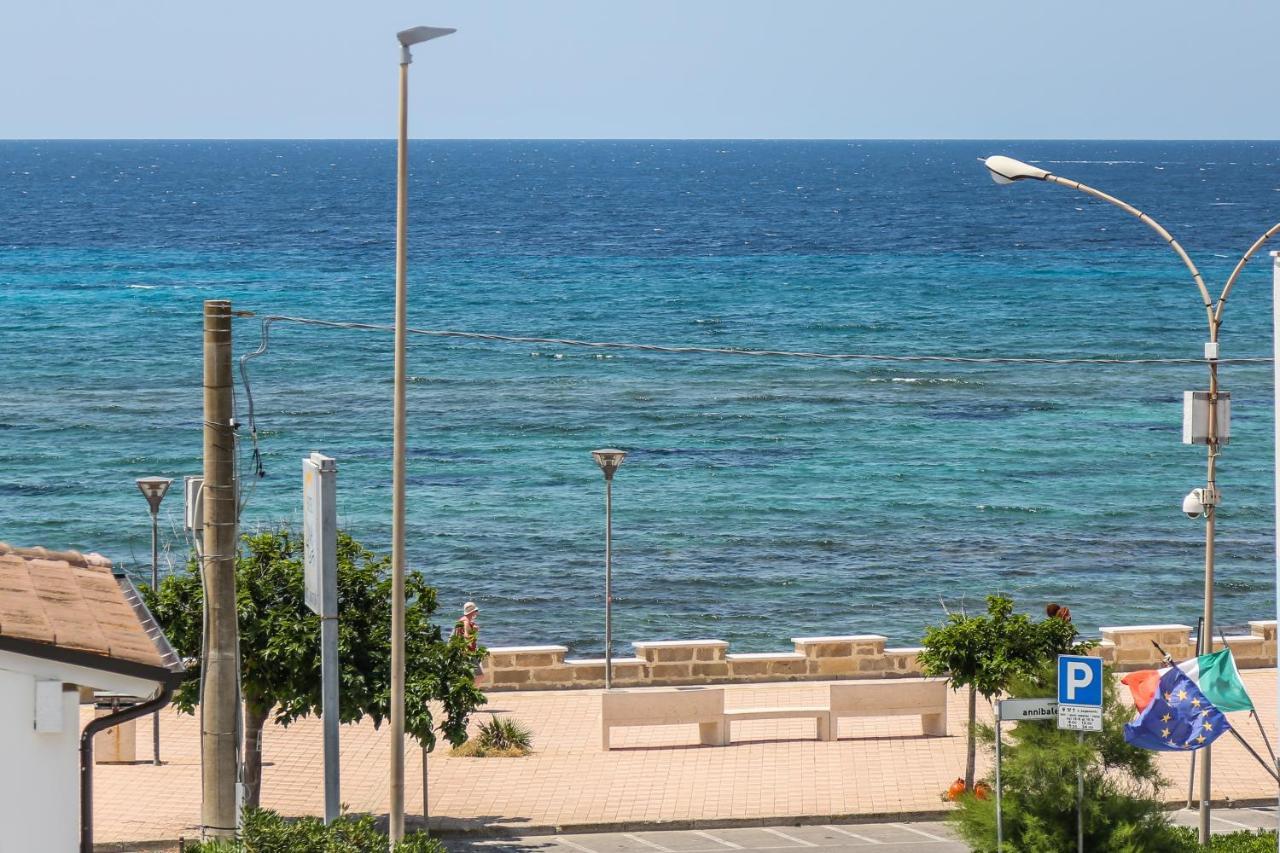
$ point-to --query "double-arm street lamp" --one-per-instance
(407, 38)
(1006, 170)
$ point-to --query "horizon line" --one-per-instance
(633, 139)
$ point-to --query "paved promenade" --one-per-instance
(774, 773)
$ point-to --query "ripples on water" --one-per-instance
(763, 499)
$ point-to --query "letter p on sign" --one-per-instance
(1079, 680)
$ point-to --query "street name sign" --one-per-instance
(1028, 709)
(1080, 693)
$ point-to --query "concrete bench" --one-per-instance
(922, 697)
(821, 716)
(673, 706)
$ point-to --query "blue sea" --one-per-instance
(763, 498)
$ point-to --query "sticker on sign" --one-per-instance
(1080, 718)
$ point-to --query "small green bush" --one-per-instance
(498, 737)
(1262, 841)
(264, 831)
(500, 733)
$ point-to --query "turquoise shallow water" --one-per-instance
(763, 499)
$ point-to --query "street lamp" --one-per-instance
(1202, 501)
(609, 461)
(153, 489)
(407, 38)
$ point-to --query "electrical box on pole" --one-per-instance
(320, 569)
(1195, 417)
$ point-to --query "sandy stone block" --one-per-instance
(500, 661)
(718, 669)
(553, 675)
(711, 653)
(876, 664)
(675, 655)
(787, 667)
(748, 668)
(535, 660)
(670, 670)
(833, 666)
(826, 650)
(511, 676)
(1265, 628)
(865, 649)
(589, 672)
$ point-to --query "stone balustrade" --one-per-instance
(677, 662)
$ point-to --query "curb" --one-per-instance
(463, 829)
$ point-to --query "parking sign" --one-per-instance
(1080, 693)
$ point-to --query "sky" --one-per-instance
(675, 69)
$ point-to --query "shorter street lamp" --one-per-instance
(609, 461)
(153, 489)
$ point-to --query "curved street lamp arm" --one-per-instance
(1168, 238)
(1235, 273)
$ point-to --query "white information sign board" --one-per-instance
(1080, 718)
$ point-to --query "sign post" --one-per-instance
(1080, 710)
(320, 566)
(1015, 709)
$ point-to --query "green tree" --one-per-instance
(986, 653)
(280, 645)
(1122, 808)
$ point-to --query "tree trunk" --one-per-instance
(255, 717)
(972, 750)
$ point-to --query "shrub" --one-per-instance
(264, 831)
(498, 737)
(1262, 841)
(1122, 809)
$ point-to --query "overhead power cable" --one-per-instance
(727, 351)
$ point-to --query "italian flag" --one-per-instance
(1214, 674)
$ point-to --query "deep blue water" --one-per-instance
(763, 499)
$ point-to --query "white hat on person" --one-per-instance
(469, 608)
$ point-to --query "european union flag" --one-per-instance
(1178, 719)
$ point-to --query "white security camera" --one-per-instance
(1193, 503)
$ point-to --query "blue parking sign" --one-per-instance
(1079, 680)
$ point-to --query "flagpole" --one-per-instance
(1254, 713)
(1191, 780)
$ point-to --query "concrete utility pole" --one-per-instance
(218, 666)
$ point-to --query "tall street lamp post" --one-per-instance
(153, 489)
(1006, 170)
(609, 461)
(408, 38)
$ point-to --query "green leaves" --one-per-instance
(988, 652)
(280, 640)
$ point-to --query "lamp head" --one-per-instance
(1006, 170)
(609, 460)
(153, 489)
(417, 35)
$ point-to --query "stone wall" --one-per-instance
(675, 662)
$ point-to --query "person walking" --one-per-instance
(467, 627)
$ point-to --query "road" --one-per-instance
(924, 837)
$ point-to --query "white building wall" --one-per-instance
(39, 773)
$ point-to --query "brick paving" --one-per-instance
(774, 770)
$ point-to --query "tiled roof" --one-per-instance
(70, 603)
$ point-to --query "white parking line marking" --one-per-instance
(853, 834)
(708, 835)
(930, 836)
(575, 845)
(646, 842)
(1233, 823)
(784, 836)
